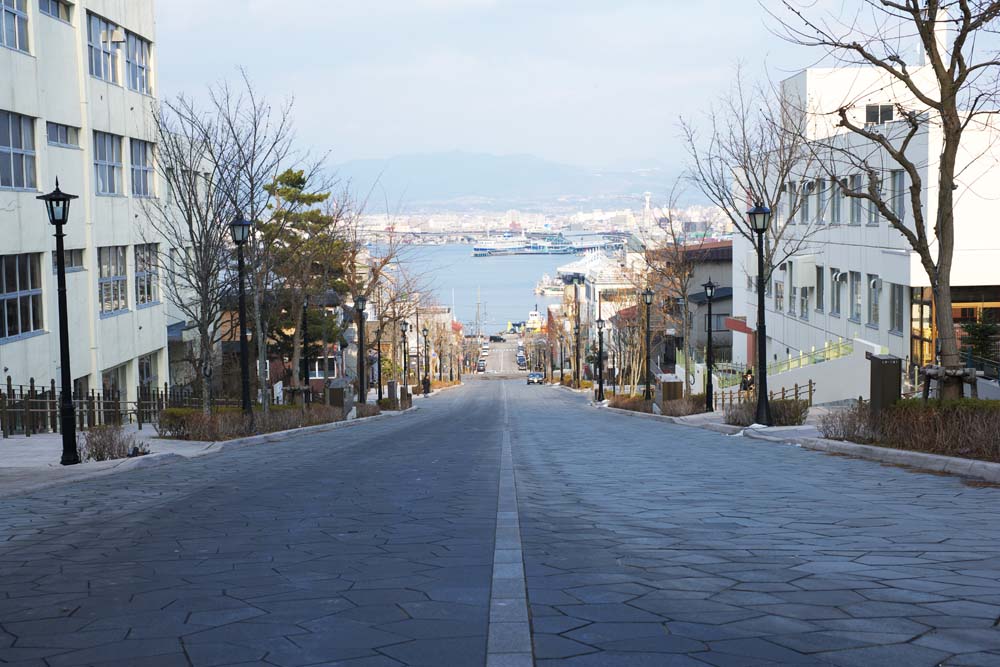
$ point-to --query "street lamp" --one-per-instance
(57, 205)
(562, 357)
(647, 298)
(760, 218)
(240, 229)
(359, 305)
(576, 355)
(709, 295)
(427, 361)
(600, 359)
(404, 327)
(378, 359)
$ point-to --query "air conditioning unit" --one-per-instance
(875, 283)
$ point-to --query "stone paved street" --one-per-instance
(399, 542)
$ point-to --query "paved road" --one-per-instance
(396, 542)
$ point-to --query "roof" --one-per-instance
(721, 294)
(709, 251)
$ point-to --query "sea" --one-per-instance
(504, 286)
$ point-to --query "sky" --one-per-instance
(595, 83)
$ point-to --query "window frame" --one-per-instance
(108, 54)
(112, 280)
(138, 66)
(855, 296)
(897, 308)
(16, 14)
(112, 169)
(70, 142)
(819, 292)
(147, 275)
(21, 296)
(897, 183)
(73, 259)
(22, 152)
(856, 202)
(45, 7)
(873, 288)
(142, 173)
(836, 293)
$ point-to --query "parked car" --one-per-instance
(536, 378)
(481, 366)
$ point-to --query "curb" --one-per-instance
(952, 465)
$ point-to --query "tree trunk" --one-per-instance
(297, 308)
(261, 345)
(205, 367)
(948, 387)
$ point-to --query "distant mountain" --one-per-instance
(459, 180)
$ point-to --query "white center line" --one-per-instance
(509, 642)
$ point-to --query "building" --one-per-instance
(853, 277)
(75, 105)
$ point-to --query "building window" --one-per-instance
(112, 286)
(142, 168)
(113, 382)
(874, 296)
(820, 291)
(779, 295)
(873, 207)
(72, 260)
(855, 290)
(108, 163)
(17, 151)
(855, 201)
(718, 322)
(836, 291)
(793, 295)
(898, 185)
(137, 64)
(147, 274)
(147, 370)
(20, 295)
(876, 114)
(62, 135)
(56, 9)
(807, 192)
(836, 197)
(104, 46)
(804, 303)
(897, 297)
(821, 197)
(790, 194)
(14, 25)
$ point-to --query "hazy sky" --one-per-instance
(588, 82)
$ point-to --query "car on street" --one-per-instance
(536, 378)
(481, 366)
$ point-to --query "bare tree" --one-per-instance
(752, 148)
(191, 219)
(954, 92)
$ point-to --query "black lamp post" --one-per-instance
(57, 205)
(760, 219)
(306, 388)
(240, 229)
(427, 361)
(709, 352)
(600, 359)
(647, 298)
(562, 357)
(359, 305)
(451, 362)
(404, 327)
(378, 360)
(576, 354)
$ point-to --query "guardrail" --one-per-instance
(829, 352)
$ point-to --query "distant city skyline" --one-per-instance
(588, 83)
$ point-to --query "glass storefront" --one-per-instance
(969, 304)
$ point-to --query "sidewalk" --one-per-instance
(808, 436)
(31, 464)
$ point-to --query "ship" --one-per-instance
(549, 286)
(521, 246)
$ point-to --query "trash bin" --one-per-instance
(886, 381)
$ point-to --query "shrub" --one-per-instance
(389, 404)
(106, 443)
(966, 427)
(586, 384)
(367, 410)
(682, 407)
(634, 403)
(229, 422)
(787, 412)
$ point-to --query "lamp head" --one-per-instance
(360, 301)
(600, 324)
(404, 326)
(760, 217)
(709, 289)
(57, 205)
(239, 228)
(647, 296)
(426, 332)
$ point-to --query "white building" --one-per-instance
(854, 276)
(76, 90)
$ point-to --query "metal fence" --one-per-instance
(804, 392)
(32, 409)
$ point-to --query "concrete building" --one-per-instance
(854, 277)
(79, 80)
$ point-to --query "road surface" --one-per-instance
(510, 525)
